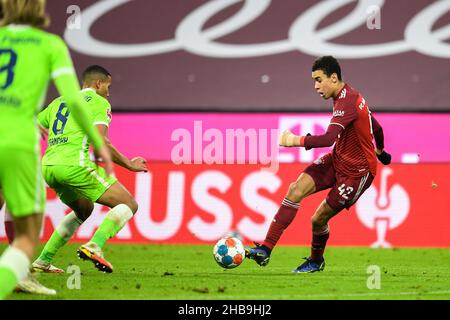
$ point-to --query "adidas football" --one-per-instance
(229, 252)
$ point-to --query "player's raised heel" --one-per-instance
(261, 256)
(96, 256)
(310, 266)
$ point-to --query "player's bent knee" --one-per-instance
(83, 211)
(133, 205)
(83, 215)
(296, 193)
(318, 221)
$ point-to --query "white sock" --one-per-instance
(120, 214)
(68, 226)
(17, 261)
(114, 221)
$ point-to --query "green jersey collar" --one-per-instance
(18, 27)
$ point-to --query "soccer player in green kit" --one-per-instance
(29, 58)
(77, 181)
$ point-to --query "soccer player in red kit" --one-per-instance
(347, 171)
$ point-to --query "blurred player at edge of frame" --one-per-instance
(30, 58)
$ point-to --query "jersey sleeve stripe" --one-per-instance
(62, 71)
(101, 122)
(338, 124)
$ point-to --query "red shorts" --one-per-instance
(345, 190)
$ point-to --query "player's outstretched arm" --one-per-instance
(137, 164)
(288, 139)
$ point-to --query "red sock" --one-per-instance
(280, 222)
(9, 228)
(319, 241)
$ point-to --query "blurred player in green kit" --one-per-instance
(29, 58)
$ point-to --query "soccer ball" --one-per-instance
(229, 252)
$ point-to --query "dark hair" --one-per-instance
(329, 65)
(95, 72)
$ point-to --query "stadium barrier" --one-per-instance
(407, 205)
(210, 175)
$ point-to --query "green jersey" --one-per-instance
(68, 145)
(29, 58)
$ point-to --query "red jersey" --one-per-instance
(353, 154)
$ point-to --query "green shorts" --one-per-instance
(21, 182)
(72, 182)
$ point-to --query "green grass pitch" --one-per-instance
(172, 272)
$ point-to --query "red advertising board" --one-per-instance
(407, 205)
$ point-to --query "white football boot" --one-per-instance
(31, 285)
(42, 266)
